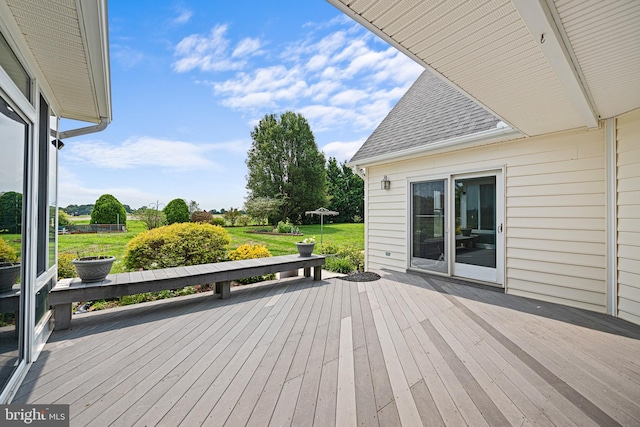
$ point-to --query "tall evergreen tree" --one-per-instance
(284, 162)
(108, 210)
(346, 191)
(176, 211)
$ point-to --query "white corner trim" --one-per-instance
(612, 216)
(549, 35)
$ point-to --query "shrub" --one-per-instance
(232, 216)
(244, 220)
(152, 218)
(249, 251)
(286, 228)
(108, 210)
(7, 253)
(201, 216)
(218, 221)
(357, 218)
(176, 211)
(339, 265)
(176, 245)
(66, 269)
(352, 256)
(63, 218)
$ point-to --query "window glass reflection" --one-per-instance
(13, 137)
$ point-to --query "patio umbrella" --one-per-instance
(322, 212)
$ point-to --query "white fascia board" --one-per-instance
(466, 141)
(387, 38)
(94, 28)
(550, 37)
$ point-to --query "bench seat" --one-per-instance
(67, 291)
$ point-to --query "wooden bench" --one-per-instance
(67, 291)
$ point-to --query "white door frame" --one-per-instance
(471, 271)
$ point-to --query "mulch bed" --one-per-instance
(360, 276)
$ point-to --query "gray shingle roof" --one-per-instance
(431, 111)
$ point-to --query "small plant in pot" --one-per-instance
(9, 267)
(305, 248)
(93, 268)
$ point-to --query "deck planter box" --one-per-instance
(94, 268)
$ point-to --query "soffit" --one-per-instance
(605, 37)
(494, 56)
(68, 41)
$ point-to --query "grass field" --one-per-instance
(114, 243)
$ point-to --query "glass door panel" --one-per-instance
(428, 230)
(13, 137)
(475, 232)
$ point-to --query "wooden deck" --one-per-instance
(405, 349)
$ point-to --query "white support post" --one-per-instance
(612, 217)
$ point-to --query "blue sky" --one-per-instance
(190, 80)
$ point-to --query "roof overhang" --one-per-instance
(66, 45)
(540, 65)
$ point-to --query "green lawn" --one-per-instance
(114, 243)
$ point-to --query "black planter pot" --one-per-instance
(93, 269)
(305, 249)
(9, 273)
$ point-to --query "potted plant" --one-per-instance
(93, 268)
(9, 267)
(305, 248)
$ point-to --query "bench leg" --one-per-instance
(62, 316)
(223, 289)
(317, 272)
(307, 272)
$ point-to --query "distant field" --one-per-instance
(114, 243)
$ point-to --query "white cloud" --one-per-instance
(211, 52)
(246, 47)
(342, 151)
(126, 56)
(72, 190)
(344, 78)
(153, 152)
(183, 17)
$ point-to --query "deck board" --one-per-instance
(408, 349)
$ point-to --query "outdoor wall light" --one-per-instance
(385, 184)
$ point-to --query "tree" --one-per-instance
(108, 210)
(63, 218)
(232, 215)
(284, 162)
(346, 191)
(193, 207)
(176, 211)
(11, 212)
(153, 218)
(262, 208)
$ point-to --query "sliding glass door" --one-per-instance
(456, 226)
(429, 226)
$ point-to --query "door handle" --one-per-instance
(500, 228)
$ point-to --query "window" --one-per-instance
(11, 65)
(14, 133)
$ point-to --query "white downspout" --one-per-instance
(611, 217)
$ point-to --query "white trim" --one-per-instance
(611, 215)
(464, 141)
(549, 36)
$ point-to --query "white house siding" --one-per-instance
(628, 174)
(555, 213)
